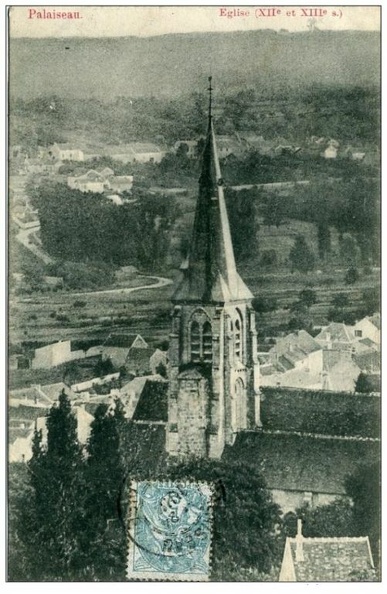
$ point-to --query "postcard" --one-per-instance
(194, 294)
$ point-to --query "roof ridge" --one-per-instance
(319, 435)
(327, 539)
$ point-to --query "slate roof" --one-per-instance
(145, 398)
(121, 340)
(329, 559)
(368, 361)
(153, 402)
(302, 463)
(138, 360)
(294, 347)
(210, 273)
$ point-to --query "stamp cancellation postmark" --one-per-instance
(170, 531)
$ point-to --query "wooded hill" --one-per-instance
(172, 65)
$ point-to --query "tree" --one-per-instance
(274, 211)
(349, 250)
(103, 534)
(269, 259)
(364, 488)
(263, 305)
(363, 384)
(53, 515)
(243, 513)
(334, 519)
(371, 301)
(323, 239)
(104, 367)
(241, 208)
(340, 300)
(307, 297)
(301, 257)
(351, 276)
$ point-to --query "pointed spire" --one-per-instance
(210, 272)
(210, 89)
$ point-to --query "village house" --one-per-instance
(368, 327)
(227, 145)
(66, 152)
(123, 348)
(20, 438)
(157, 360)
(55, 354)
(336, 335)
(38, 166)
(25, 407)
(296, 360)
(92, 181)
(121, 183)
(136, 152)
(330, 152)
(325, 559)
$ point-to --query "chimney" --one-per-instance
(299, 542)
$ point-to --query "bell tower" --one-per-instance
(213, 366)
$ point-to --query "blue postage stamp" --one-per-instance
(170, 531)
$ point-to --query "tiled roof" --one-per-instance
(330, 559)
(32, 396)
(153, 402)
(121, 340)
(368, 361)
(15, 433)
(138, 360)
(145, 398)
(336, 332)
(293, 347)
(302, 463)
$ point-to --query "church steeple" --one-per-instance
(213, 368)
(210, 273)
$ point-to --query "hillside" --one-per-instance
(172, 65)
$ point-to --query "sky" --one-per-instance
(144, 21)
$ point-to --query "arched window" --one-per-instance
(200, 339)
(195, 342)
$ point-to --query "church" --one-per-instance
(213, 370)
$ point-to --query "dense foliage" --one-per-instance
(68, 519)
(79, 227)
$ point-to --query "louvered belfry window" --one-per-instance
(207, 342)
(195, 342)
(200, 339)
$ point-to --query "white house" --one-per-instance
(296, 360)
(136, 152)
(92, 181)
(66, 152)
(55, 354)
(330, 152)
(368, 327)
